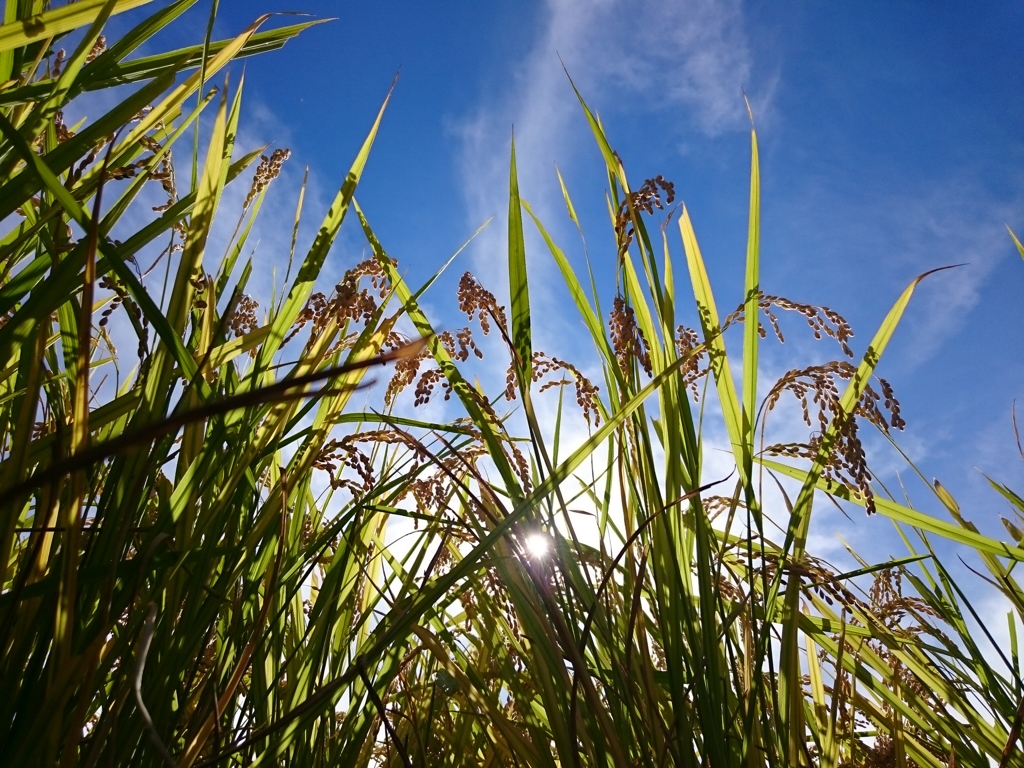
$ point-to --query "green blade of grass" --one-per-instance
(519, 287)
(18, 34)
(905, 515)
(751, 335)
(1020, 247)
(719, 360)
(184, 59)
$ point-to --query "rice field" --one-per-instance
(220, 545)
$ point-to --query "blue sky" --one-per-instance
(891, 136)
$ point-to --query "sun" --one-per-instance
(538, 545)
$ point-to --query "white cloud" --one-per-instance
(690, 57)
(948, 224)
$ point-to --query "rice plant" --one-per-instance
(164, 542)
(687, 635)
(219, 558)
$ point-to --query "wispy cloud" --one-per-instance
(869, 241)
(954, 225)
(692, 57)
